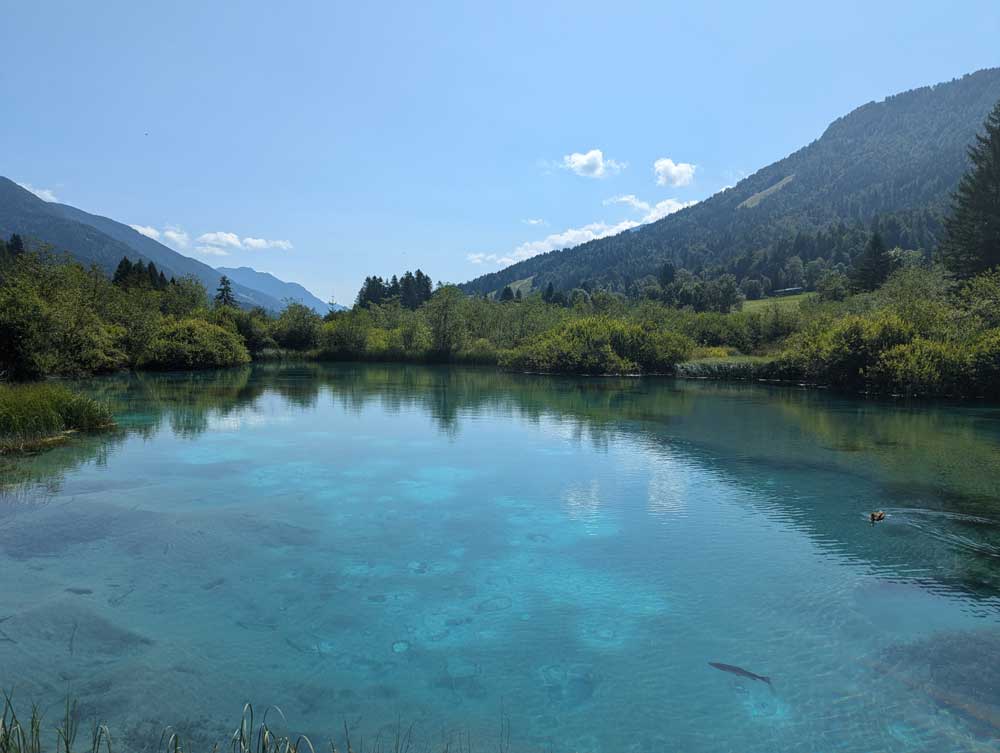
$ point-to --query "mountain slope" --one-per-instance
(272, 286)
(93, 239)
(901, 157)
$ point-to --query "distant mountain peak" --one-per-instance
(276, 288)
(93, 239)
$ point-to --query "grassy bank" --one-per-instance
(33, 415)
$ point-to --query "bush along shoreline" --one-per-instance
(920, 332)
(36, 416)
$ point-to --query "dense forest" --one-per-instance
(893, 164)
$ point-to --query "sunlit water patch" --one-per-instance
(453, 547)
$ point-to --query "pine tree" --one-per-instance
(153, 274)
(424, 287)
(122, 272)
(548, 293)
(408, 291)
(873, 266)
(972, 233)
(15, 245)
(224, 294)
(507, 294)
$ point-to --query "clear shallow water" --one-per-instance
(448, 547)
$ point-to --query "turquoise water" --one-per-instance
(457, 548)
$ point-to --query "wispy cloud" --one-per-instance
(218, 243)
(591, 164)
(231, 240)
(176, 237)
(211, 251)
(651, 212)
(45, 194)
(149, 232)
(565, 239)
(261, 243)
(670, 173)
(533, 222)
(593, 231)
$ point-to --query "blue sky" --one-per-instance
(326, 141)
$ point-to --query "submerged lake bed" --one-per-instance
(458, 547)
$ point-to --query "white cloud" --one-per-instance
(45, 194)
(211, 251)
(230, 240)
(261, 243)
(591, 164)
(631, 199)
(593, 231)
(662, 208)
(651, 212)
(149, 232)
(533, 222)
(176, 237)
(669, 173)
(565, 239)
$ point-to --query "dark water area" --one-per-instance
(450, 547)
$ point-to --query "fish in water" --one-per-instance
(739, 671)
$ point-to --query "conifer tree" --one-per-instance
(872, 266)
(507, 294)
(972, 233)
(122, 272)
(224, 294)
(15, 245)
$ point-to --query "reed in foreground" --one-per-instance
(33, 414)
(250, 736)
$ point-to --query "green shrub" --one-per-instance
(345, 335)
(843, 353)
(921, 367)
(32, 412)
(194, 344)
(980, 298)
(481, 352)
(22, 335)
(984, 364)
(599, 345)
(297, 327)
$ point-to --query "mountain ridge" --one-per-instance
(276, 288)
(95, 239)
(900, 157)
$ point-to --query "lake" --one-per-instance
(460, 549)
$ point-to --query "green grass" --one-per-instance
(787, 301)
(33, 414)
(733, 367)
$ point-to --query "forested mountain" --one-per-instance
(92, 239)
(893, 163)
(278, 289)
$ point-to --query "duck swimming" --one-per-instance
(876, 517)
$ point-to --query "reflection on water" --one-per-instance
(364, 543)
